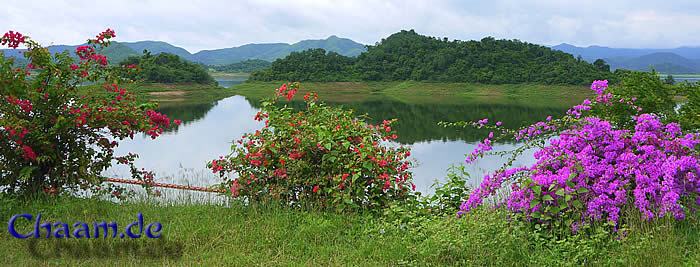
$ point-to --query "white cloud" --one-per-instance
(197, 25)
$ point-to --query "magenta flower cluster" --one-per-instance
(598, 170)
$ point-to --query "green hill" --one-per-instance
(407, 55)
(157, 47)
(168, 68)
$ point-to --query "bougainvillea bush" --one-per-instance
(321, 157)
(53, 137)
(589, 169)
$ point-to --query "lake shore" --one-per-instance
(428, 92)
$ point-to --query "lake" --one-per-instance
(208, 131)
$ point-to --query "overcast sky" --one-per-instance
(219, 24)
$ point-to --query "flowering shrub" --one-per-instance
(51, 136)
(321, 156)
(593, 169)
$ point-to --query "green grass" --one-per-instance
(207, 234)
(427, 92)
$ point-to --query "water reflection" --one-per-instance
(208, 131)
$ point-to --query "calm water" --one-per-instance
(208, 131)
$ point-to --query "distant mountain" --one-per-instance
(237, 54)
(682, 60)
(272, 51)
(663, 62)
(594, 52)
(267, 51)
(157, 47)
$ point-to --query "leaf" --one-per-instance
(560, 192)
(582, 190)
(537, 190)
(327, 146)
(26, 172)
(534, 203)
(578, 204)
(547, 198)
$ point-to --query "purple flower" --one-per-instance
(599, 86)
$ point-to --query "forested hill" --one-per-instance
(407, 55)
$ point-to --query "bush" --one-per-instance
(51, 136)
(591, 170)
(322, 156)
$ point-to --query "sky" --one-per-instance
(213, 24)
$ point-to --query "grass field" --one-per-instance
(426, 92)
(202, 234)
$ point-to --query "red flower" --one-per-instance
(73, 67)
(291, 93)
(84, 52)
(234, 188)
(282, 89)
(315, 189)
(177, 122)
(281, 173)
(295, 155)
(28, 153)
(12, 39)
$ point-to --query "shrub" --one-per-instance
(51, 136)
(591, 170)
(321, 156)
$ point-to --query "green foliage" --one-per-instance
(246, 66)
(309, 65)
(689, 113)
(321, 157)
(409, 56)
(601, 65)
(669, 80)
(167, 68)
(653, 96)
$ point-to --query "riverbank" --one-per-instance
(430, 93)
(172, 94)
(201, 234)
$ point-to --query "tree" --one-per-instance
(669, 80)
(601, 65)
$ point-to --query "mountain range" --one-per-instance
(119, 51)
(681, 60)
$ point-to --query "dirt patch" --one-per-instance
(169, 99)
(168, 93)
